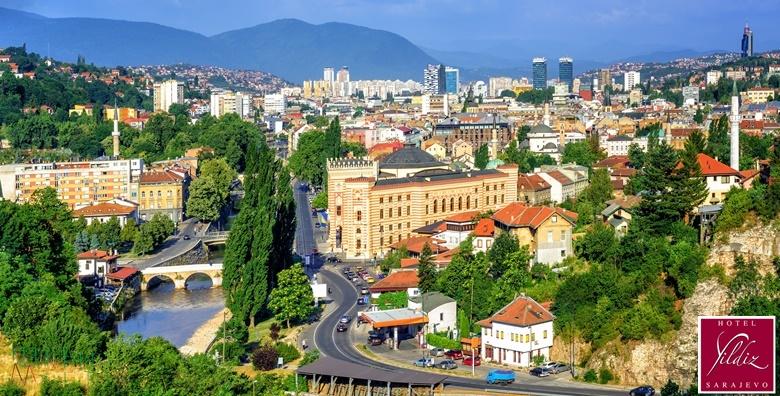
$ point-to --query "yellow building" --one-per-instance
(77, 183)
(435, 147)
(371, 205)
(757, 95)
(81, 109)
(123, 112)
(546, 231)
(164, 192)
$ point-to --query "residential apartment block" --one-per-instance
(77, 183)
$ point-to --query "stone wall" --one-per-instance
(199, 254)
(761, 242)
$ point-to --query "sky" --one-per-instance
(595, 29)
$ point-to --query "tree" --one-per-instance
(355, 148)
(696, 142)
(505, 244)
(482, 157)
(332, 143)
(320, 201)
(393, 259)
(698, 117)
(718, 144)
(205, 200)
(292, 299)
(308, 160)
(579, 153)
(426, 270)
(599, 191)
(128, 231)
(598, 244)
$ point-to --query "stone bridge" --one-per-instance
(181, 274)
(215, 237)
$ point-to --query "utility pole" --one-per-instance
(471, 318)
(224, 335)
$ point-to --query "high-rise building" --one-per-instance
(747, 42)
(539, 68)
(167, 93)
(328, 74)
(230, 102)
(343, 74)
(605, 78)
(497, 85)
(566, 71)
(630, 80)
(451, 80)
(434, 81)
(275, 103)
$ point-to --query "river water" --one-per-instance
(172, 314)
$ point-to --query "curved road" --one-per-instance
(334, 344)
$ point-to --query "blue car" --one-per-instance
(503, 377)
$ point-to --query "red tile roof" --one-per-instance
(532, 182)
(523, 311)
(485, 228)
(96, 255)
(560, 177)
(465, 217)
(122, 273)
(517, 214)
(443, 259)
(615, 161)
(161, 177)
(748, 173)
(623, 172)
(415, 244)
(409, 262)
(104, 209)
(712, 167)
(396, 281)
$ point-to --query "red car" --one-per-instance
(454, 354)
(467, 361)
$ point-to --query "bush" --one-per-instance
(441, 340)
(287, 352)
(274, 331)
(233, 351)
(590, 376)
(53, 387)
(234, 329)
(605, 375)
(289, 383)
(310, 357)
(538, 360)
(264, 358)
(10, 388)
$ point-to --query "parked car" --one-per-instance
(644, 390)
(341, 327)
(454, 354)
(503, 377)
(467, 361)
(317, 225)
(559, 368)
(539, 372)
(370, 280)
(364, 291)
(423, 362)
(547, 365)
(345, 319)
(186, 237)
(361, 301)
(447, 364)
(437, 352)
(355, 279)
(374, 341)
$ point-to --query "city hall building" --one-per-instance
(373, 204)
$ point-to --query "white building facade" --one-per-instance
(516, 334)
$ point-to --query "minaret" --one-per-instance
(546, 119)
(115, 133)
(734, 118)
(494, 141)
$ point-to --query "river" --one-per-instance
(172, 314)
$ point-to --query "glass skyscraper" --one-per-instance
(539, 73)
(451, 80)
(747, 42)
(566, 71)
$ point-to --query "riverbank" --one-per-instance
(205, 334)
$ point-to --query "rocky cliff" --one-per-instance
(675, 355)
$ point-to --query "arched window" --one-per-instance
(359, 215)
(435, 207)
(357, 231)
(443, 205)
(468, 202)
(452, 204)
(460, 203)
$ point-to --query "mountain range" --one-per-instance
(292, 49)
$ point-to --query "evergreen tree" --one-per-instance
(696, 142)
(332, 147)
(698, 117)
(284, 224)
(482, 157)
(657, 211)
(426, 270)
(505, 244)
(718, 139)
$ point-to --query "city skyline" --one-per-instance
(606, 31)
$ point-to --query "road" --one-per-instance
(344, 301)
(175, 245)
